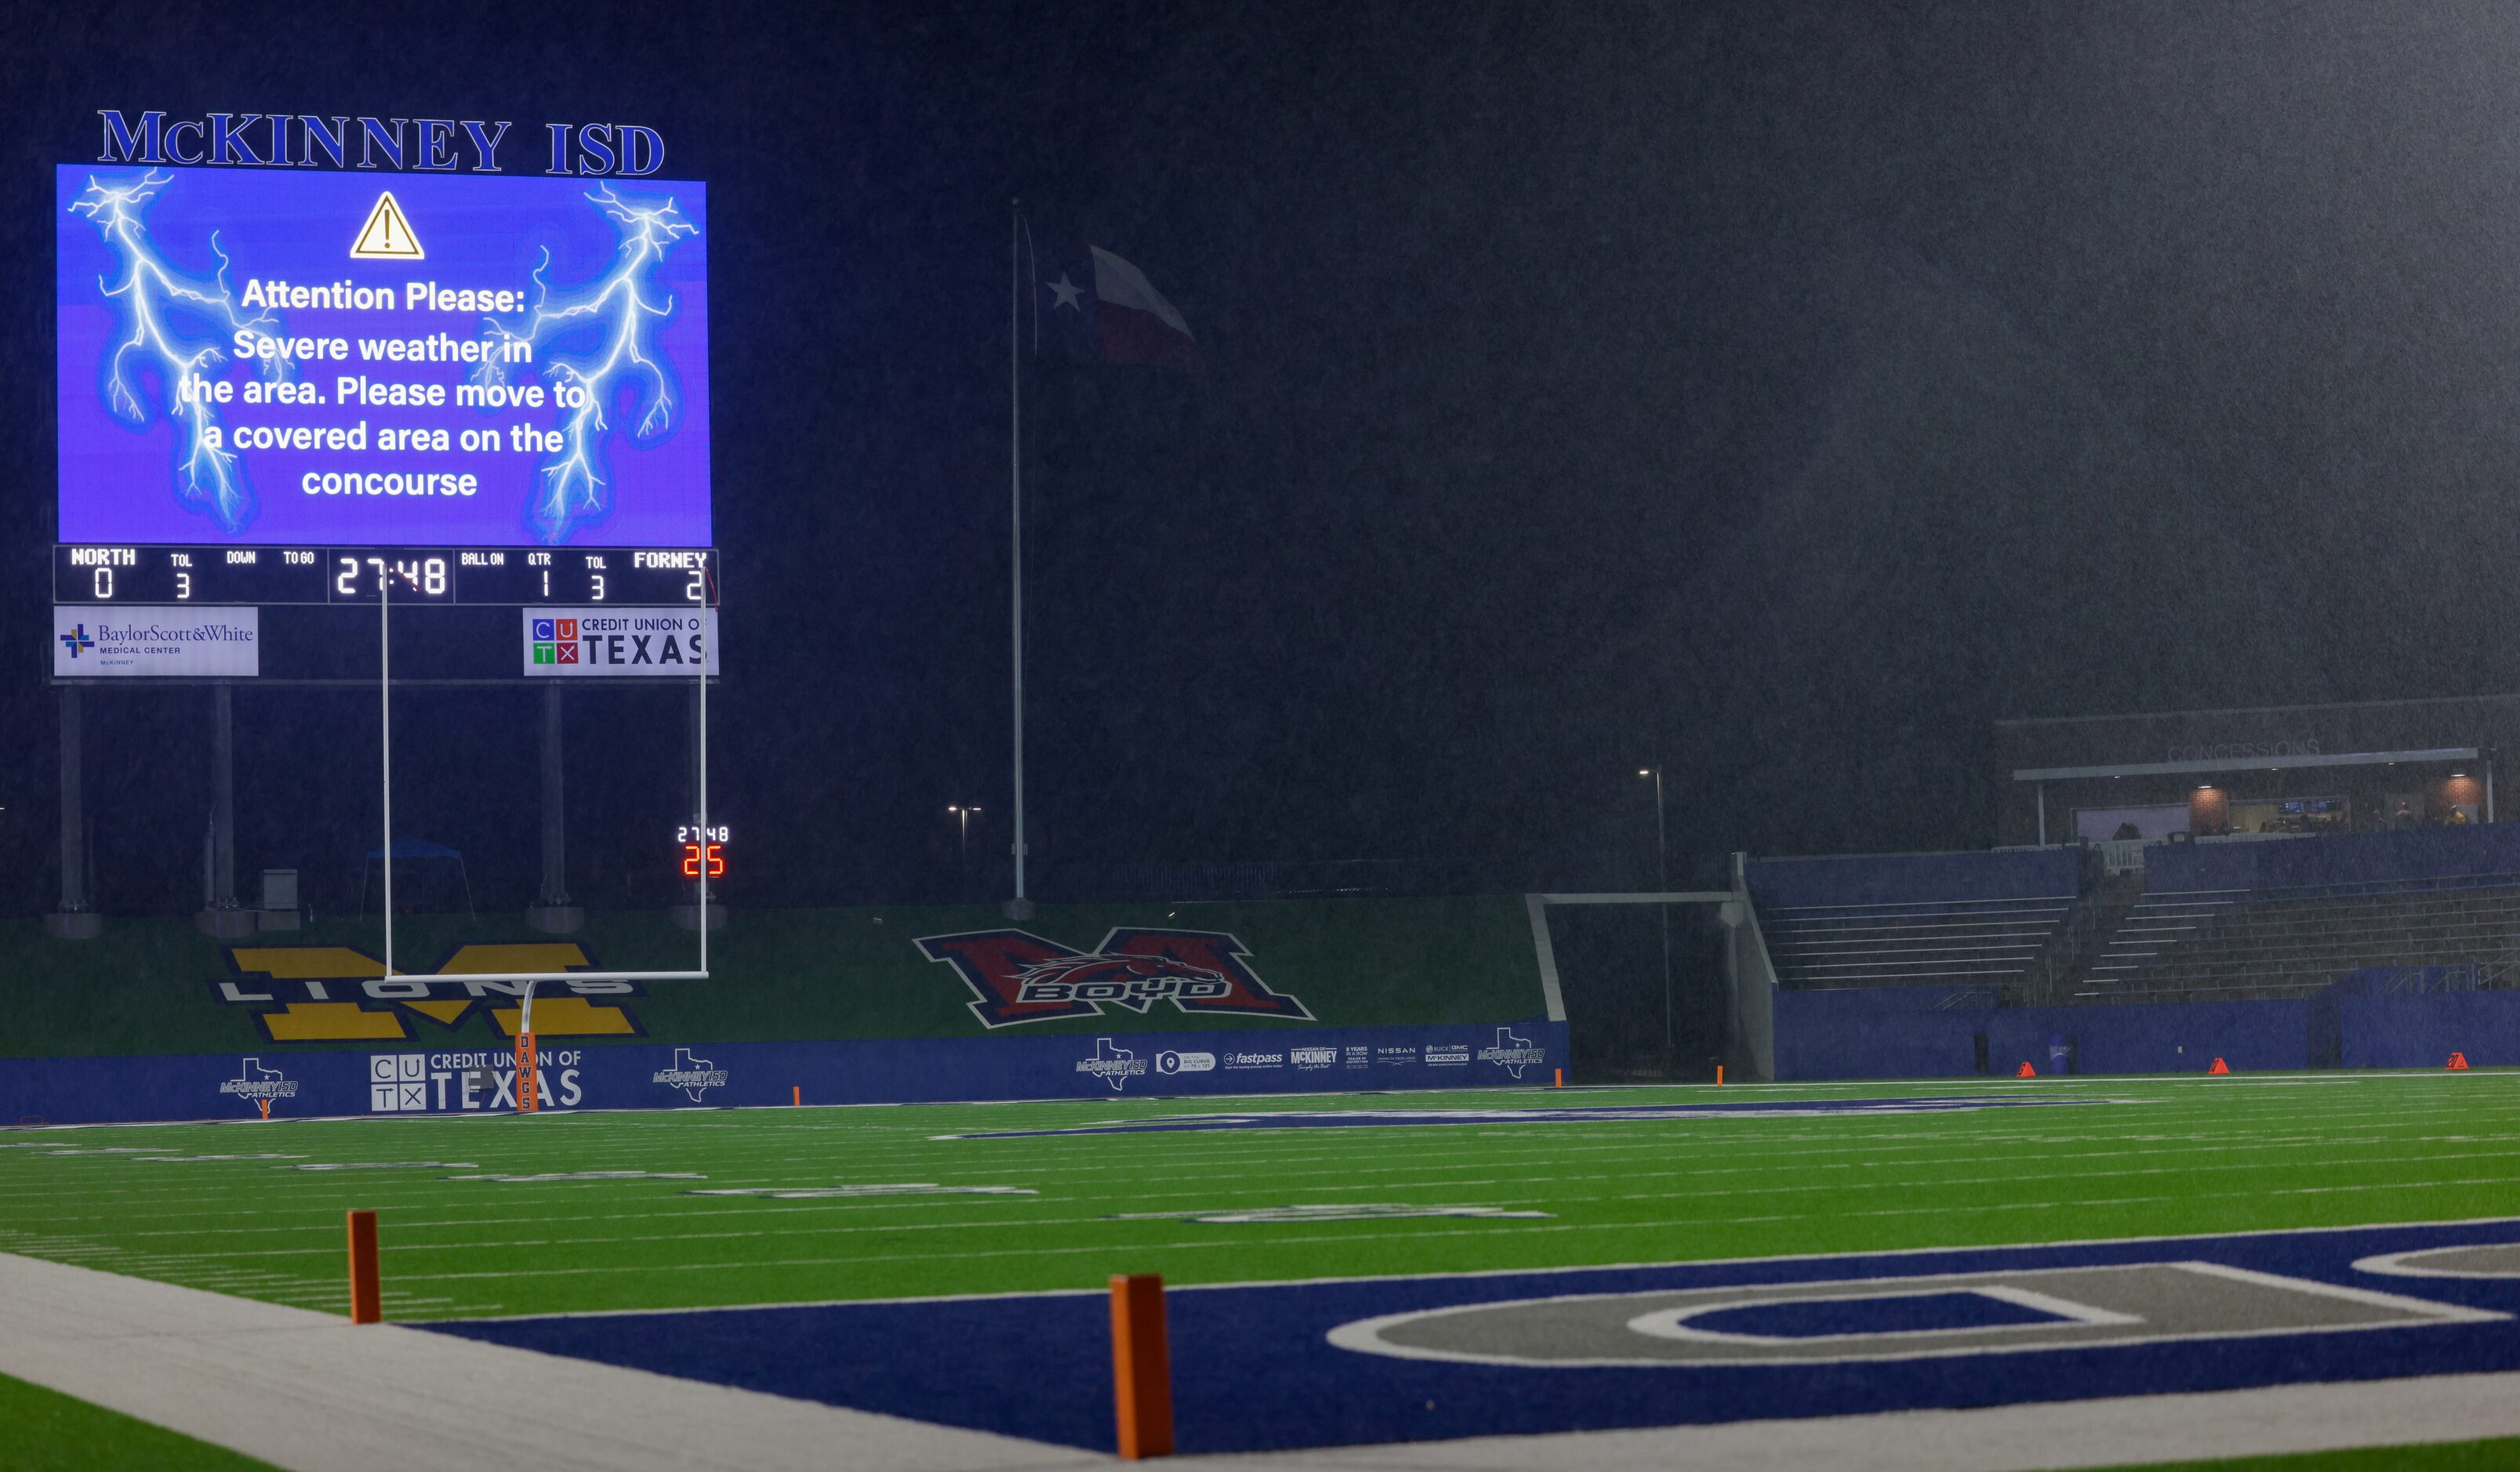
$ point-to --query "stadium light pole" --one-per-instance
(965, 813)
(1662, 885)
(1021, 907)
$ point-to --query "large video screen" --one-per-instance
(369, 359)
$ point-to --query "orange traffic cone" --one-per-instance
(2459, 1062)
(2220, 1067)
(2027, 1072)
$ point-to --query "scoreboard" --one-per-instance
(286, 576)
(318, 360)
(281, 392)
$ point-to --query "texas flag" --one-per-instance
(1092, 306)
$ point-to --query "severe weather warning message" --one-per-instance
(350, 359)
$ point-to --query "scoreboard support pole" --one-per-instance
(552, 913)
(74, 793)
(698, 913)
(219, 915)
(73, 921)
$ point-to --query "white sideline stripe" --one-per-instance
(311, 1391)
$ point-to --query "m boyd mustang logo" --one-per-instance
(1017, 977)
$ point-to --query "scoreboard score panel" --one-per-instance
(302, 575)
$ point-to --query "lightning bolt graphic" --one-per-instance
(154, 297)
(625, 311)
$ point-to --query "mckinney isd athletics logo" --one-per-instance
(1512, 1053)
(692, 1076)
(1017, 977)
(1114, 1066)
(259, 1085)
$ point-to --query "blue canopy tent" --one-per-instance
(406, 849)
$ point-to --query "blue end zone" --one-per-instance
(1254, 1367)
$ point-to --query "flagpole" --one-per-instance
(1020, 908)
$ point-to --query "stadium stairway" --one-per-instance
(2232, 945)
(2083, 942)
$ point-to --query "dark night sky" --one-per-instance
(1779, 392)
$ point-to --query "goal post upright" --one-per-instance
(527, 1051)
(384, 738)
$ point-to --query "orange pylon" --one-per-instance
(2027, 1072)
(2459, 1062)
(367, 1302)
(1141, 1371)
(2220, 1067)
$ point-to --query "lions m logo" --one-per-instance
(335, 994)
(1017, 977)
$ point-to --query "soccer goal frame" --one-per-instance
(1747, 971)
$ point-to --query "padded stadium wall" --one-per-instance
(1901, 1032)
(154, 1021)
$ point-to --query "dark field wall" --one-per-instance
(1883, 1033)
(794, 975)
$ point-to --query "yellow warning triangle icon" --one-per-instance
(386, 235)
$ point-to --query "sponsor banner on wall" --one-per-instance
(102, 641)
(596, 1075)
(596, 642)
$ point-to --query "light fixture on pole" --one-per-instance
(1662, 885)
(964, 814)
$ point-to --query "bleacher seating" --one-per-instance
(2236, 944)
(2267, 921)
(1914, 943)
(1968, 921)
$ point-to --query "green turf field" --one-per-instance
(51, 1432)
(256, 1209)
(2445, 1456)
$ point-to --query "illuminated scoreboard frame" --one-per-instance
(645, 576)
